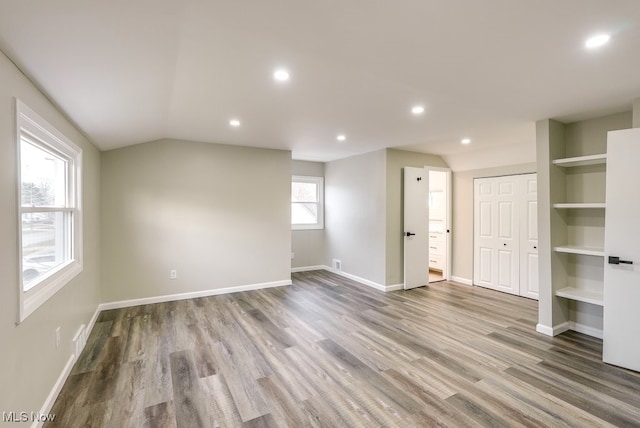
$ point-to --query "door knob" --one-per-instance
(410, 234)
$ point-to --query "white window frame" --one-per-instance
(30, 124)
(319, 181)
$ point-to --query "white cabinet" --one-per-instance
(506, 234)
(436, 251)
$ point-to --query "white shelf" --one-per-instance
(588, 296)
(581, 161)
(577, 249)
(579, 205)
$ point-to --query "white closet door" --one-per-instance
(622, 240)
(496, 234)
(529, 238)
(506, 234)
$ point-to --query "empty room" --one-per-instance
(320, 214)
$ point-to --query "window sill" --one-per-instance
(34, 298)
(307, 227)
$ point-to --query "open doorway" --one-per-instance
(439, 220)
(427, 216)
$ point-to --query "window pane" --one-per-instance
(44, 177)
(44, 235)
(304, 213)
(304, 192)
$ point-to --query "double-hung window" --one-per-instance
(50, 252)
(307, 202)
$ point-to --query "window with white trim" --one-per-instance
(307, 202)
(50, 250)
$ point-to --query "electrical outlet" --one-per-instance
(58, 338)
(173, 274)
(337, 264)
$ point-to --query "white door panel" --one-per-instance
(486, 230)
(622, 239)
(506, 233)
(529, 239)
(485, 267)
(416, 227)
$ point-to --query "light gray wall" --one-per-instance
(462, 227)
(355, 220)
(219, 215)
(307, 245)
(396, 160)
(590, 136)
(29, 362)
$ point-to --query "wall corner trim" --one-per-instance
(553, 331)
(461, 280)
(191, 295)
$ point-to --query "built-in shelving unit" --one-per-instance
(581, 295)
(572, 212)
(575, 288)
(580, 205)
(581, 160)
(577, 249)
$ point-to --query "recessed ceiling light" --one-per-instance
(465, 140)
(341, 137)
(417, 110)
(281, 75)
(597, 41)
(234, 122)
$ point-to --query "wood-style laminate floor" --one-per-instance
(329, 352)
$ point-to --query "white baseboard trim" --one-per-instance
(394, 287)
(53, 394)
(585, 329)
(553, 331)
(191, 295)
(307, 268)
(379, 287)
(356, 278)
(461, 280)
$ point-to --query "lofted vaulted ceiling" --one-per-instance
(131, 71)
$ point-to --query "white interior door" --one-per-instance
(496, 231)
(622, 239)
(529, 238)
(416, 221)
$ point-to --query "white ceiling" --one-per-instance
(131, 71)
